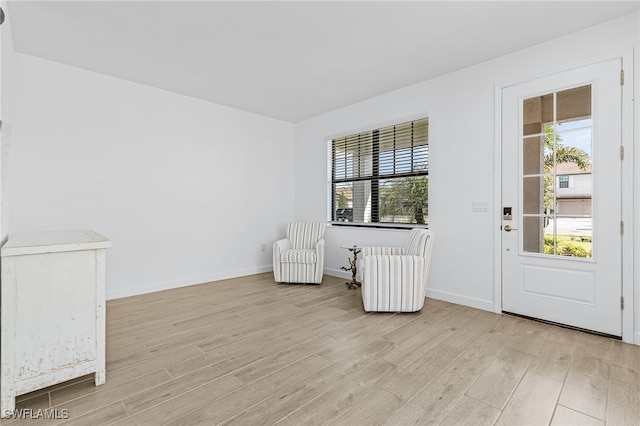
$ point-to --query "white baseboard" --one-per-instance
(168, 285)
(636, 338)
(486, 305)
(337, 273)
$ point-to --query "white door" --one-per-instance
(561, 198)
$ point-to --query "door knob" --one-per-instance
(508, 228)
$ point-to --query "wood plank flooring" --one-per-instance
(248, 351)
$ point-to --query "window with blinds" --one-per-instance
(382, 176)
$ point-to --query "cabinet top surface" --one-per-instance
(55, 241)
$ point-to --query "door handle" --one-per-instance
(508, 228)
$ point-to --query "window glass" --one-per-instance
(381, 176)
(557, 161)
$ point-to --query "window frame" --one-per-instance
(376, 176)
(563, 179)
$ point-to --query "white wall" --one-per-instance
(461, 109)
(6, 98)
(151, 170)
(187, 191)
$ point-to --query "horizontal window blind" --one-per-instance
(381, 176)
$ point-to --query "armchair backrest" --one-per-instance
(420, 242)
(304, 235)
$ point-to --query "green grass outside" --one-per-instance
(569, 245)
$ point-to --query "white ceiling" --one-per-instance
(290, 60)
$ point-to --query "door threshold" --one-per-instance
(570, 327)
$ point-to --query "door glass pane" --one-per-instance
(550, 141)
(533, 233)
(533, 155)
(557, 202)
(574, 140)
(536, 111)
(573, 104)
(533, 187)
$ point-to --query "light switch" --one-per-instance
(480, 206)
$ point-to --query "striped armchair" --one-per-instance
(394, 279)
(299, 258)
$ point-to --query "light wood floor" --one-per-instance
(248, 351)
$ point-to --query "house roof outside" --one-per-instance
(571, 169)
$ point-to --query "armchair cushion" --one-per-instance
(299, 256)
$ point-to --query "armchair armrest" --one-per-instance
(373, 251)
(400, 262)
(370, 251)
(279, 247)
(394, 283)
(320, 263)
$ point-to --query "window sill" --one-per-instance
(378, 225)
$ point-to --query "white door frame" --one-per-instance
(629, 335)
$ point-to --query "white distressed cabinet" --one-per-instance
(52, 318)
